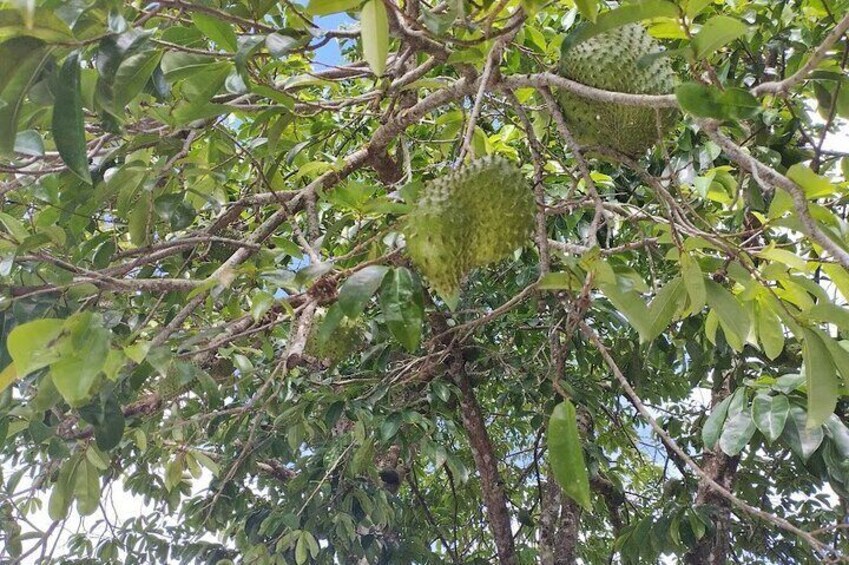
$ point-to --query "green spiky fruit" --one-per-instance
(469, 218)
(346, 338)
(622, 60)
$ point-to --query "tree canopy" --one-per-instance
(346, 281)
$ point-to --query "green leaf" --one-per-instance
(29, 143)
(131, 77)
(86, 487)
(631, 305)
(301, 549)
(326, 7)
(665, 307)
(770, 330)
(821, 378)
(801, 439)
(402, 304)
(566, 455)
(559, 281)
(713, 425)
(21, 62)
(736, 433)
(30, 347)
(709, 102)
(624, 14)
(588, 9)
(694, 282)
(83, 356)
(716, 33)
(7, 376)
(218, 31)
(68, 123)
(62, 493)
(814, 185)
(733, 318)
(359, 288)
(43, 24)
(839, 434)
(374, 25)
(770, 414)
(831, 314)
(839, 354)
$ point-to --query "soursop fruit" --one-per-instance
(621, 60)
(346, 338)
(469, 218)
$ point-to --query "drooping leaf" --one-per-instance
(821, 378)
(665, 307)
(801, 439)
(713, 425)
(375, 35)
(694, 282)
(732, 316)
(68, 122)
(21, 62)
(566, 454)
(403, 307)
(86, 487)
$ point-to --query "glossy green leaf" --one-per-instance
(801, 439)
(566, 454)
(21, 62)
(29, 143)
(62, 494)
(624, 14)
(770, 331)
(358, 289)
(732, 316)
(219, 31)
(402, 305)
(839, 434)
(712, 427)
(716, 33)
(665, 307)
(632, 306)
(770, 414)
(86, 487)
(821, 378)
(694, 282)
(374, 23)
(736, 432)
(132, 76)
(68, 123)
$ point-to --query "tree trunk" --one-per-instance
(713, 548)
(486, 462)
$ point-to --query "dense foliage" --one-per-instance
(207, 302)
